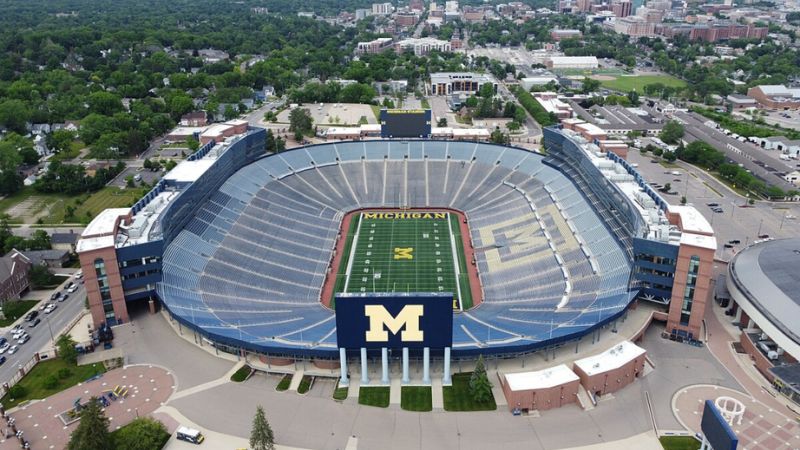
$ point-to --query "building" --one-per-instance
(551, 103)
(120, 249)
(738, 101)
(765, 303)
(64, 241)
(634, 26)
(51, 258)
(194, 119)
(540, 390)
(622, 9)
(611, 370)
(469, 83)
(672, 246)
(14, 269)
(382, 9)
(406, 19)
(558, 35)
(776, 96)
(571, 62)
(378, 45)
(422, 46)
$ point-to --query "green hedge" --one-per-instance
(284, 383)
(241, 374)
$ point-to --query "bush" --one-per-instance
(64, 372)
(241, 374)
(51, 382)
(284, 383)
(17, 391)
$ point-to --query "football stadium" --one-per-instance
(254, 252)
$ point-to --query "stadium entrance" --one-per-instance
(383, 321)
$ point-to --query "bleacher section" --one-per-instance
(249, 266)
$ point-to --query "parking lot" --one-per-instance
(334, 113)
(736, 220)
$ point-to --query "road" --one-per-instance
(40, 335)
(746, 154)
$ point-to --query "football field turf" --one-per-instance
(404, 251)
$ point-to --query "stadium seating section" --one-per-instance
(250, 265)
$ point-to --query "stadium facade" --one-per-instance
(237, 245)
(764, 302)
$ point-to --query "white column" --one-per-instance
(446, 377)
(385, 363)
(364, 374)
(426, 365)
(343, 381)
(405, 365)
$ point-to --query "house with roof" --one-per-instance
(14, 270)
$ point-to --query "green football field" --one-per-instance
(405, 251)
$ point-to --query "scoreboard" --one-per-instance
(405, 123)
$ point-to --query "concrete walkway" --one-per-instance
(437, 395)
(211, 384)
(296, 379)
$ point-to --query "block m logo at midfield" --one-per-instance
(407, 320)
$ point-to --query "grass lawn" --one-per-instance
(34, 382)
(241, 374)
(374, 396)
(416, 398)
(305, 384)
(71, 153)
(457, 397)
(284, 383)
(14, 309)
(377, 111)
(340, 393)
(679, 442)
(638, 82)
(92, 204)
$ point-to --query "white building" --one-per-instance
(423, 46)
(571, 62)
(382, 9)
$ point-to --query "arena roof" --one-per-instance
(766, 274)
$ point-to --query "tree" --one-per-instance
(192, 144)
(261, 436)
(144, 433)
(60, 140)
(92, 430)
(589, 85)
(480, 388)
(300, 121)
(672, 132)
(442, 122)
(66, 349)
